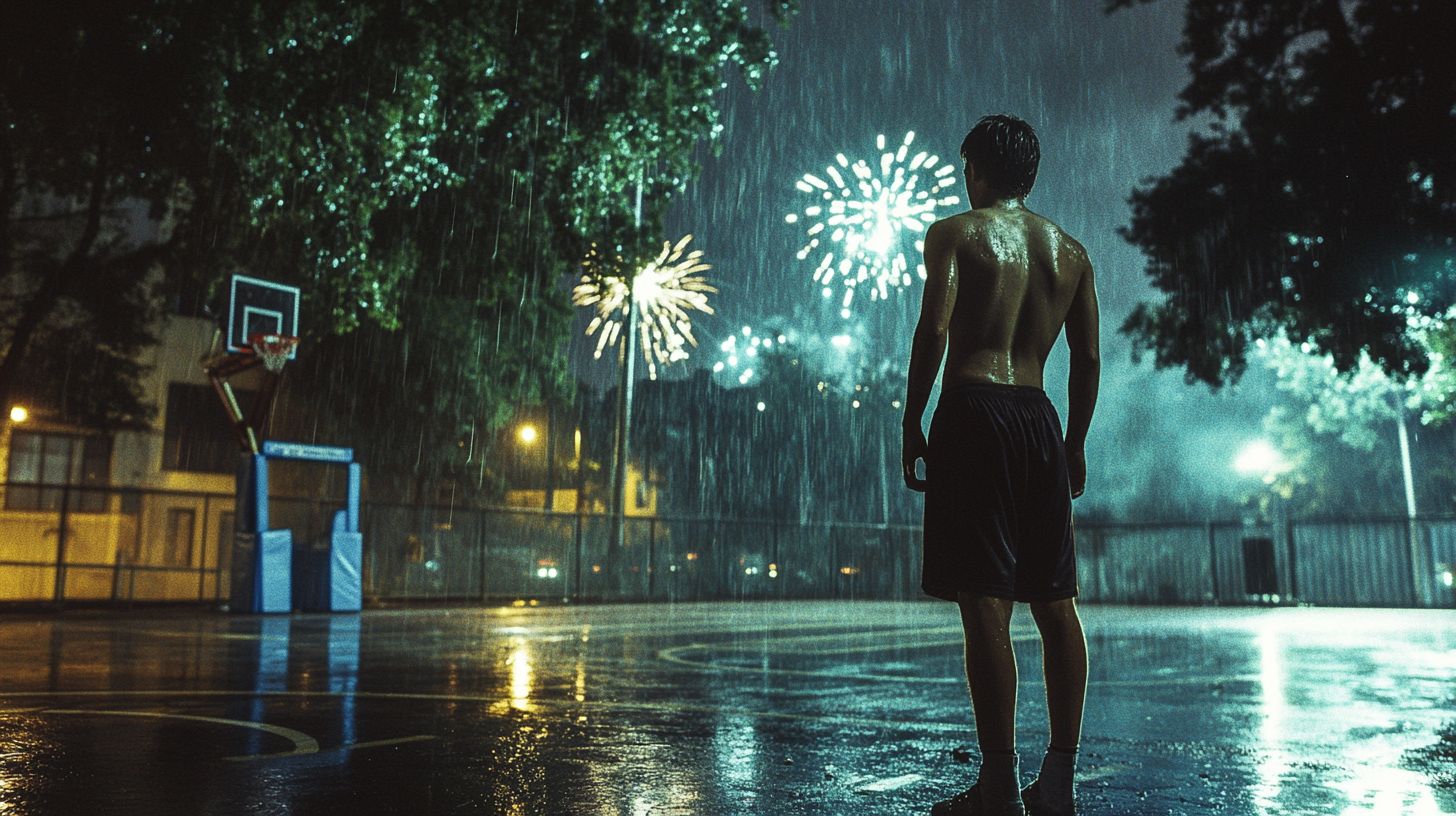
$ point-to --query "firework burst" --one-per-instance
(865, 214)
(741, 350)
(665, 290)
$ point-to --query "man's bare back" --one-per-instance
(1001, 282)
(1017, 275)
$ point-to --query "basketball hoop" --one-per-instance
(273, 349)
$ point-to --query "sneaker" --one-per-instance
(1031, 795)
(970, 803)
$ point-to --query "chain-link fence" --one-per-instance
(123, 545)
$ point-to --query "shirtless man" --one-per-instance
(999, 476)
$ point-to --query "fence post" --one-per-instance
(58, 596)
(202, 550)
(777, 585)
(480, 522)
(1293, 563)
(1418, 570)
(580, 556)
(1213, 561)
(651, 557)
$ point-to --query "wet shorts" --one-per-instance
(998, 505)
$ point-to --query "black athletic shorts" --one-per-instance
(998, 503)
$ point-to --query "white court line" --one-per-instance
(302, 743)
(384, 742)
(893, 783)
(349, 747)
(566, 706)
(671, 656)
(1092, 774)
(97, 630)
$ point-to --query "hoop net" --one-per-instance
(273, 349)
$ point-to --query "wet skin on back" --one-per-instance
(1014, 277)
(1001, 282)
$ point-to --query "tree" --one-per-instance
(1339, 431)
(1322, 194)
(426, 171)
(574, 124)
(81, 168)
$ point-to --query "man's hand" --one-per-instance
(1077, 470)
(912, 447)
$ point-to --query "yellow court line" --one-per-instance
(302, 743)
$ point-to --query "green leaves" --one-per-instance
(1322, 195)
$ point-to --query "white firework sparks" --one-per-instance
(666, 289)
(865, 215)
(741, 350)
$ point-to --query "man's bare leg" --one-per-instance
(1064, 664)
(991, 674)
(990, 669)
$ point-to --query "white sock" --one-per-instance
(1000, 777)
(1058, 772)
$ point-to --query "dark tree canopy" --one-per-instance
(425, 171)
(1321, 198)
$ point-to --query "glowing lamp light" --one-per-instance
(527, 434)
(18, 414)
(1259, 458)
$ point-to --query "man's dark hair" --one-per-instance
(1006, 151)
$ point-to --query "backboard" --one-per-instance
(258, 306)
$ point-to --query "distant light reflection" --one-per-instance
(520, 665)
(1273, 762)
(581, 680)
(1303, 714)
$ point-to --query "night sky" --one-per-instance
(1101, 91)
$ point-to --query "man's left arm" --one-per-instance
(928, 348)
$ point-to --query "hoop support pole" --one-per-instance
(263, 404)
(247, 440)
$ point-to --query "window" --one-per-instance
(180, 525)
(42, 464)
(198, 436)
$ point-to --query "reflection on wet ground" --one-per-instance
(783, 708)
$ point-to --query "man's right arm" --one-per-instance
(1083, 375)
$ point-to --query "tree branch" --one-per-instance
(43, 302)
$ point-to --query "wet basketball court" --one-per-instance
(782, 708)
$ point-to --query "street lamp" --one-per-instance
(19, 414)
(527, 434)
(1259, 458)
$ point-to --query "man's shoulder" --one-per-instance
(973, 225)
(960, 226)
(1070, 248)
(962, 220)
